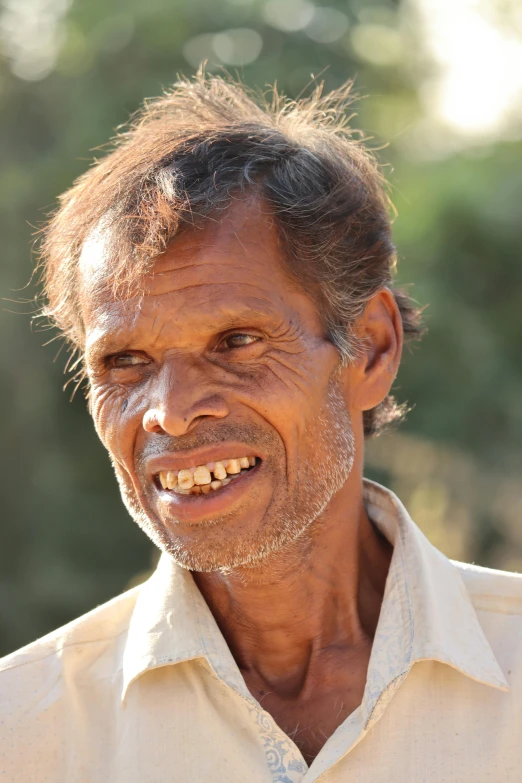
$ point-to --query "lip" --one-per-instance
(194, 457)
(196, 508)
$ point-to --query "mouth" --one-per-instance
(206, 479)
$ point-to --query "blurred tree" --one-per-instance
(70, 73)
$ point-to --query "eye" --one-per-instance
(239, 340)
(122, 360)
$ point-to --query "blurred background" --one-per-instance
(443, 80)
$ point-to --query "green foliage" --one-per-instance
(66, 541)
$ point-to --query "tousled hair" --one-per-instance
(184, 157)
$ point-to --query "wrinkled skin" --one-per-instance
(223, 347)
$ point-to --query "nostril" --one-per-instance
(151, 422)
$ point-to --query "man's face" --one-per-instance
(221, 358)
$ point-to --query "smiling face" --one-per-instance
(223, 358)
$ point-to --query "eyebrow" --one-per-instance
(241, 317)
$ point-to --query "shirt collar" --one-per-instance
(172, 623)
(426, 614)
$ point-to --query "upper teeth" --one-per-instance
(201, 475)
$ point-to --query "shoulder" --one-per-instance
(49, 687)
(91, 637)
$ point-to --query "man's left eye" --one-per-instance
(239, 340)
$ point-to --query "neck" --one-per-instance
(324, 591)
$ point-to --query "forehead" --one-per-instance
(232, 265)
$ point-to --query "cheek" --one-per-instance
(306, 376)
(111, 411)
(290, 392)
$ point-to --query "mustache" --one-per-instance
(249, 434)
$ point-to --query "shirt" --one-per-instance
(144, 688)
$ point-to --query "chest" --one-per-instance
(310, 716)
(309, 724)
(169, 739)
(182, 724)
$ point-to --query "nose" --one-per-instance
(182, 396)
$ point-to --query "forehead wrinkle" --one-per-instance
(222, 263)
(210, 284)
(219, 251)
(214, 316)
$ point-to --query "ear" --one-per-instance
(380, 331)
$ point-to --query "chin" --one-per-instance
(249, 529)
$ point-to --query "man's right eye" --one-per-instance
(122, 360)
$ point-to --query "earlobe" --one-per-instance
(380, 331)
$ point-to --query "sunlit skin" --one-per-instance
(225, 355)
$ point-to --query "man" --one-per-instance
(226, 277)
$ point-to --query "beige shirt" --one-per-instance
(145, 690)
